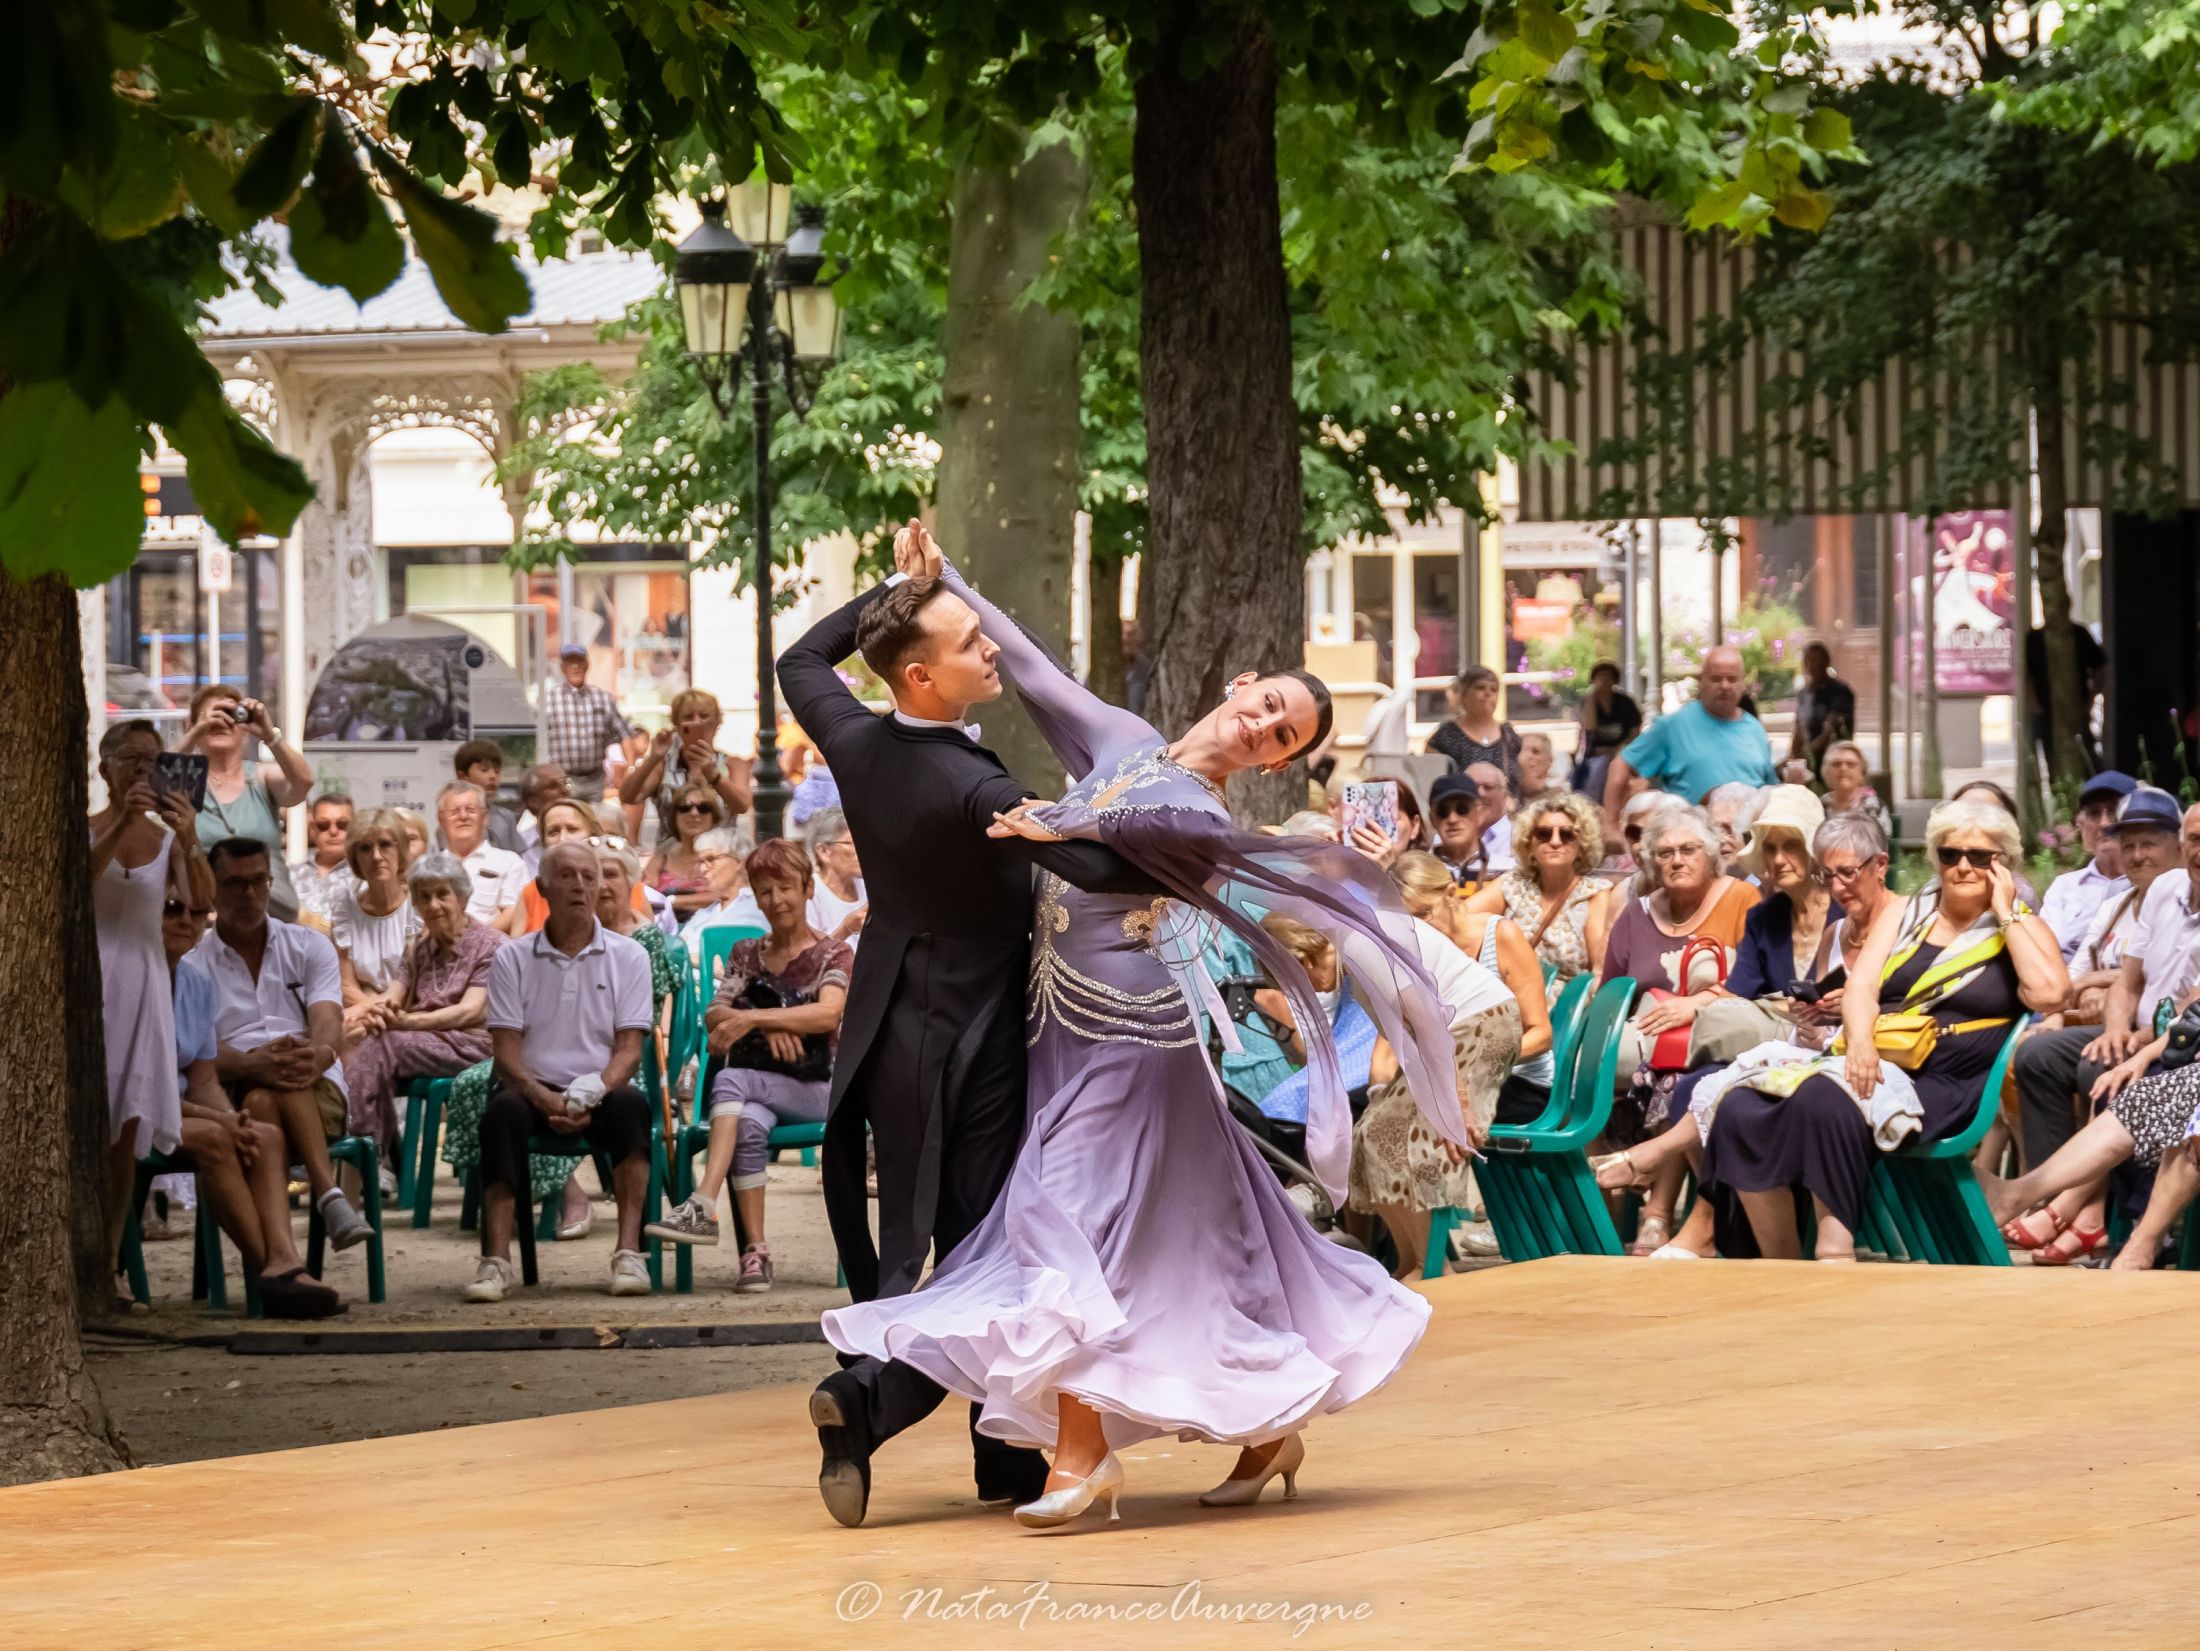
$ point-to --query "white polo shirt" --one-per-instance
(297, 970)
(2166, 941)
(568, 1009)
(498, 877)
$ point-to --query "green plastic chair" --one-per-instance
(1535, 1177)
(208, 1275)
(718, 940)
(357, 1151)
(1567, 1011)
(1928, 1194)
(424, 1102)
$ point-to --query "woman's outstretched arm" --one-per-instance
(1077, 724)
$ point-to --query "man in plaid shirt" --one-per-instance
(579, 723)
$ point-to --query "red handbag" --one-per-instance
(1669, 1050)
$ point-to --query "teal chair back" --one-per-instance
(717, 942)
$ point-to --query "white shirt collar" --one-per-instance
(903, 717)
(544, 945)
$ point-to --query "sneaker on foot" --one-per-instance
(346, 1226)
(692, 1222)
(494, 1277)
(1474, 1243)
(388, 1179)
(756, 1271)
(629, 1274)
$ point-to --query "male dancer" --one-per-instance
(932, 1043)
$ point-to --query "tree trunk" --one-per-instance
(1009, 428)
(2066, 700)
(1224, 560)
(1105, 605)
(52, 1422)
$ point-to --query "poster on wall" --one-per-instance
(1974, 584)
(395, 689)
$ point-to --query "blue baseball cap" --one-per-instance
(2109, 783)
(2149, 808)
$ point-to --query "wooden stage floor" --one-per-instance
(1583, 1452)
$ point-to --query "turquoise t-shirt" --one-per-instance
(1692, 751)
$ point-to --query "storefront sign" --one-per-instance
(1974, 580)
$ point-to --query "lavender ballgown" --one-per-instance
(1143, 1256)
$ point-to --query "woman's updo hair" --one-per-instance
(1325, 713)
(1423, 883)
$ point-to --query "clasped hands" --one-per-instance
(916, 553)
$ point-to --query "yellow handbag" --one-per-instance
(1905, 1038)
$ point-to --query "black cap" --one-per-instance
(1449, 786)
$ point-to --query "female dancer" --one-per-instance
(1143, 1271)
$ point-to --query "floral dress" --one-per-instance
(471, 1089)
(1564, 946)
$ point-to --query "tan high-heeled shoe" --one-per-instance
(1059, 1507)
(1289, 1457)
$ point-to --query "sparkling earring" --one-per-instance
(1230, 691)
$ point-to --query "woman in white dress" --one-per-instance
(144, 851)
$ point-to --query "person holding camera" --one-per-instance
(243, 800)
(773, 1027)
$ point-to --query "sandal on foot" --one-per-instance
(1636, 1178)
(297, 1294)
(1652, 1234)
(2021, 1237)
(2052, 1254)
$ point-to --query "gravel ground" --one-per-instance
(175, 1401)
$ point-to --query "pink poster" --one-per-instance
(1974, 585)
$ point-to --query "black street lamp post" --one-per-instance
(768, 288)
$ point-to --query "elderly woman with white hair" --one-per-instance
(1733, 808)
(1630, 867)
(432, 1022)
(1969, 954)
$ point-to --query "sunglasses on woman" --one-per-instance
(693, 808)
(1978, 859)
(177, 908)
(1554, 834)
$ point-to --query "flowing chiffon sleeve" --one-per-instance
(1218, 870)
(1077, 724)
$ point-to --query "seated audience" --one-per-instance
(1493, 940)
(2075, 897)
(431, 1022)
(839, 905)
(1970, 955)
(326, 869)
(1553, 894)
(240, 1162)
(481, 762)
(416, 833)
(1696, 916)
(1733, 809)
(1413, 831)
(772, 1025)
(373, 920)
(539, 787)
(672, 869)
(568, 1010)
(1631, 869)
(2061, 1074)
(618, 908)
(1351, 1029)
(1494, 809)
(1400, 1169)
(280, 1023)
(568, 820)
(718, 857)
(144, 856)
(687, 754)
(1848, 786)
(462, 816)
(1456, 807)
(1537, 765)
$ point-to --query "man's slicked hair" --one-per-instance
(891, 631)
